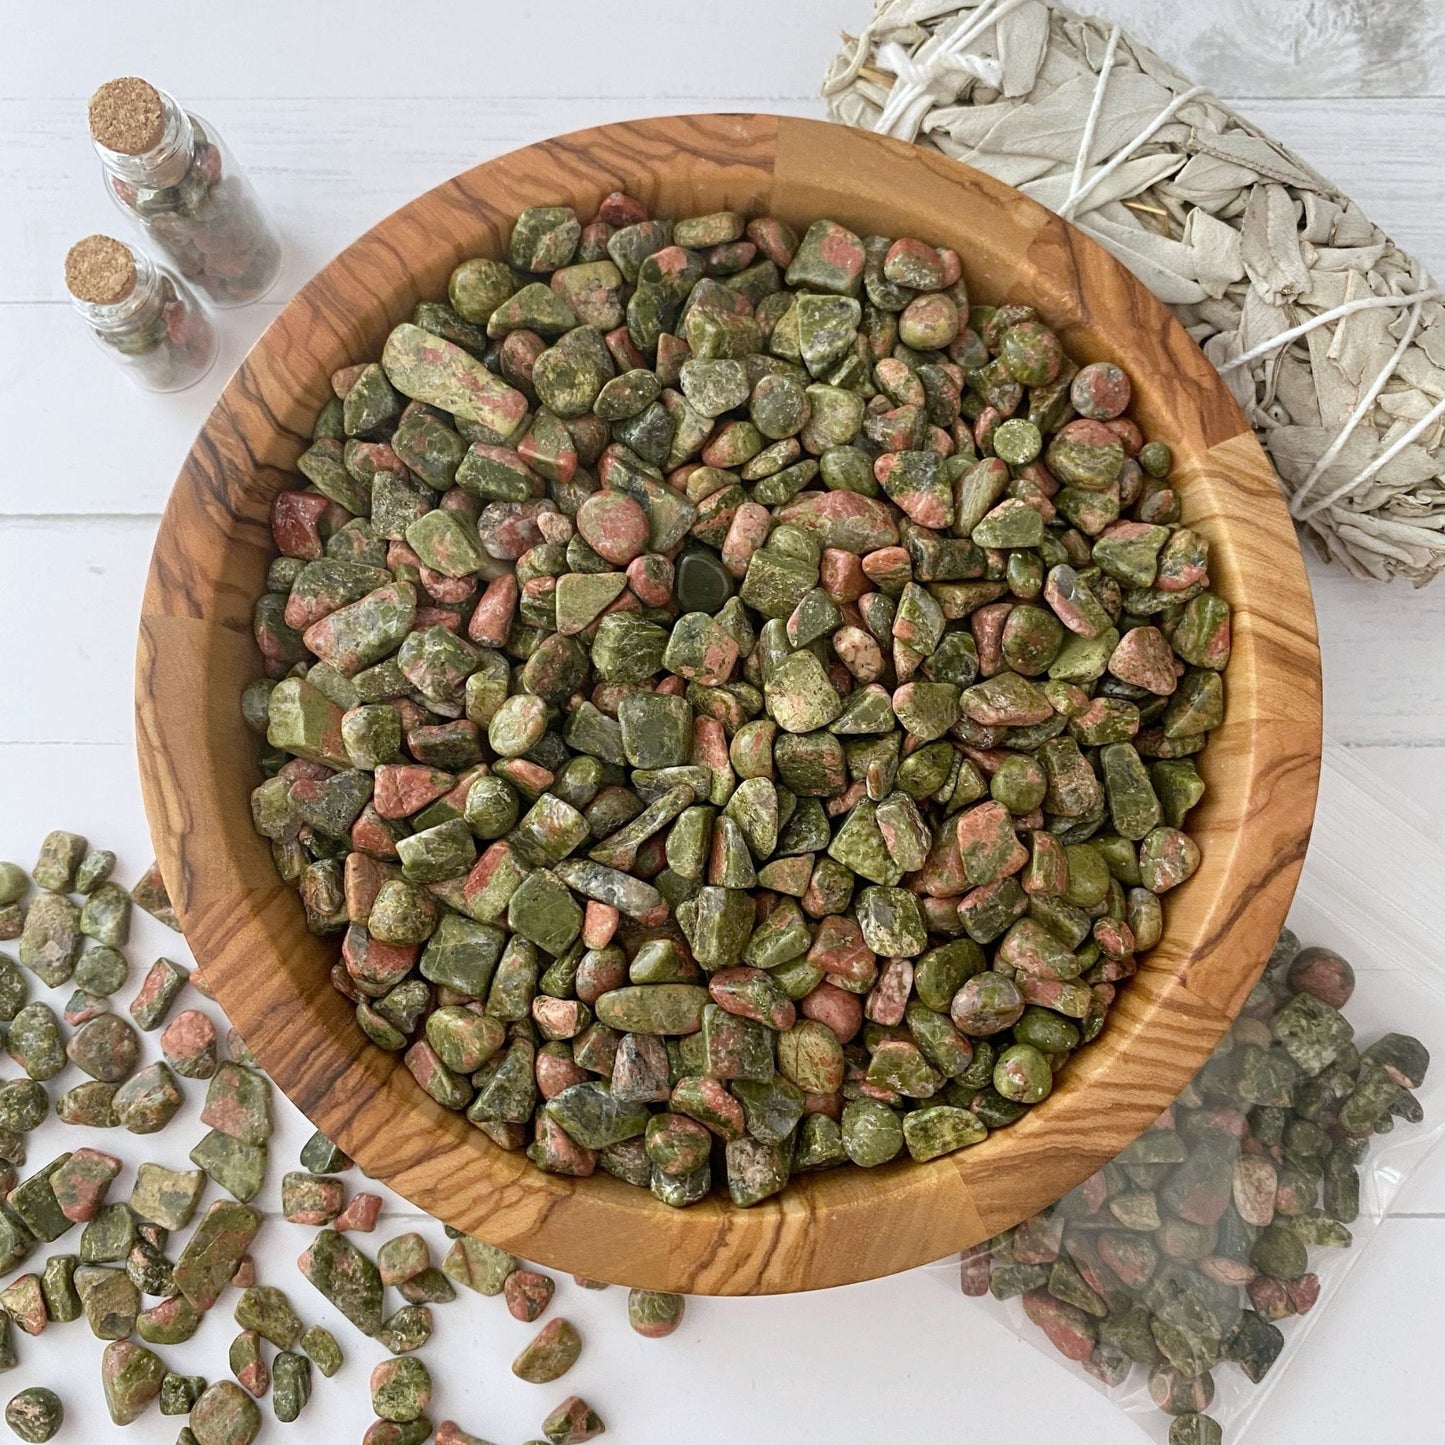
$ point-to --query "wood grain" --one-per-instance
(246, 927)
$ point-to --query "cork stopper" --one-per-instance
(100, 270)
(126, 115)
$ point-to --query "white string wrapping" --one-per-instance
(1350, 404)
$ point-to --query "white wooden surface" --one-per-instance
(342, 112)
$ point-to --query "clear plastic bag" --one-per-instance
(1371, 854)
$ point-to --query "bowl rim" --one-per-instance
(828, 1228)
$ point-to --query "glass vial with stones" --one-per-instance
(140, 314)
(169, 171)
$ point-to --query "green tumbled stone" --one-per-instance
(654, 783)
(544, 911)
(899, 1066)
(1084, 464)
(718, 923)
(166, 1197)
(35, 1203)
(131, 1376)
(1311, 1032)
(734, 1047)
(1007, 700)
(872, 1132)
(110, 1235)
(783, 935)
(180, 1392)
(1196, 706)
(238, 1167)
(940, 1043)
(775, 583)
(799, 696)
(939, 1129)
(891, 922)
(1130, 552)
(593, 1116)
(13, 987)
(583, 597)
(238, 1103)
(322, 1350)
(462, 955)
(370, 403)
(432, 370)
(627, 395)
(90, 1103)
(35, 1041)
(437, 854)
(688, 841)
(811, 766)
(291, 1385)
(444, 543)
(1202, 637)
(656, 729)
(941, 972)
(772, 1108)
(481, 1267)
(815, 616)
(535, 307)
(57, 1287)
(110, 1301)
(1133, 806)
(51, 939)
(428, 446)
(56, 865)
(106, 915)
(714, 386)
(829, 258)
(661, 1008)
(172, 1322)
(1017, 442)
(820, 1144)
(267, 1311)
(700, 649)
(346, 1277)
(927, 710)
(731, 863)
(756, 1170)
(925, 771)
(754, 807)
(916, 482)
(225, 1415)
(569, 376)
(827, 328)
(1012, 523)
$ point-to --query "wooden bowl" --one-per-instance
(246, 926)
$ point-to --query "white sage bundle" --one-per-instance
(1331, 337)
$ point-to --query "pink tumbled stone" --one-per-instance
(360, 1214)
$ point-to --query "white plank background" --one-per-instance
(342, 112)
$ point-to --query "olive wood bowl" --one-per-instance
(246, 927)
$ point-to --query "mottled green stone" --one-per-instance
(891, 922)
(131, 1376)
(940, 1129)
(110, 1301)
(346, 1277)
(872, 1133)
(211, 1256)
(50, 942)
(481, 1267)
(266, 1310)
(544, 911)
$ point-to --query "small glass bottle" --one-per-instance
(139, 313)
(170, 173)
